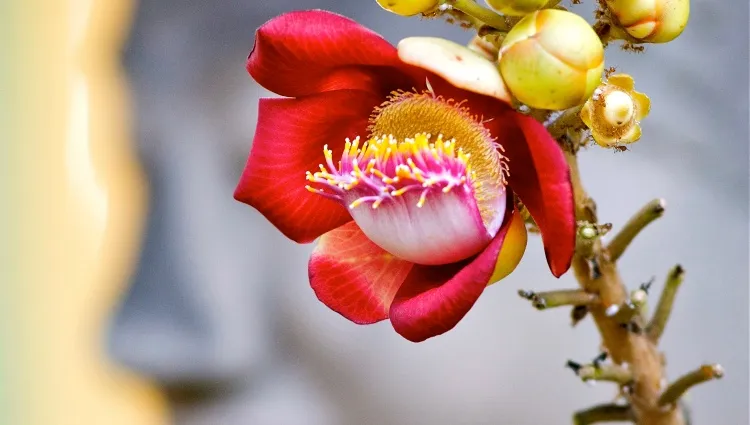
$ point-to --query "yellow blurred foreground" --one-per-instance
(80, 198)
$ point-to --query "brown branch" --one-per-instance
(633, 227)
(678, 388)
(638, 351)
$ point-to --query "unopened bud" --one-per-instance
(552, 59)
(408, 7)
(653, 21)
(516, 7)
(638, 298)
(614, 111)
(588, 232)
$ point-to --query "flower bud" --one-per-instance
(552, 59)
(408, 7)
(653, 21)
(516, 7)
(614, 112)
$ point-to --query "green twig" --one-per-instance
(471, 8)
(633, 227)
(603, 413)
(600, 372)
(679, 387)
(656, 326)
(550, 299)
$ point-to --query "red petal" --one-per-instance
(355, 277)
(540, 176)
(306, 52)
(433, 299)
(289, 141)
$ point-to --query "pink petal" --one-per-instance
(306, 52)
(433, 299)
(540, 176)
(289, 140)
(446, 229)
(355, 277)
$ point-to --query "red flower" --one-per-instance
(418, 219)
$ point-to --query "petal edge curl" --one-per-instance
(540, 176)
(433, 299)
(288, 141)
(353, 276)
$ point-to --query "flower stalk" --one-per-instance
(481, 13)
(637, 350)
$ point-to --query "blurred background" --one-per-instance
(143, 293)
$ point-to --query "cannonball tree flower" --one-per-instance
(405, 163)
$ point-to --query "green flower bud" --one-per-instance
(653, 21)
(552, 59)
(408, 7)
(516, 7)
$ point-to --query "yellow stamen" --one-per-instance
(405, 114)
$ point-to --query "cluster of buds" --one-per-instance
(551, 59)
(538, 55)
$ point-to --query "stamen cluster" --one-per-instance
(384, 168)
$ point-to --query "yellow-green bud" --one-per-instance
(653, 21)
(614, 112)
(516, 7)
(552, 59)
(408, 7)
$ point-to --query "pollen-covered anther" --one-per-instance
(392, 168)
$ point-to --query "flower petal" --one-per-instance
(642, 105)
(446, 229)
(306, 52)
(624, 81)
(355, 277)
(540, 176)
(513, 249)
(461, 66)
(633, 135)
(586, 113)
(433, 299)
(289, 140)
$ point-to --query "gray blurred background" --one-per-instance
(221, 313)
